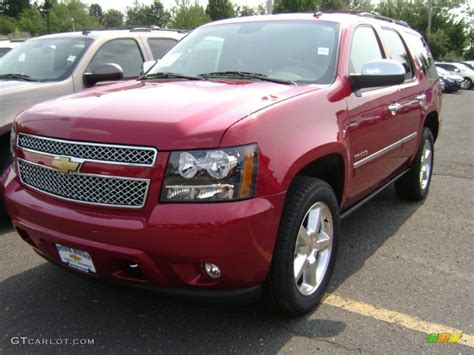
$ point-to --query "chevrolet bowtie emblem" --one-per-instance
(65, 165)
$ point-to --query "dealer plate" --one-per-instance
(76, 259)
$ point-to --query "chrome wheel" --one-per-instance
(426, 164)
(313, 248)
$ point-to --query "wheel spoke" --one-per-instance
(299, 265)
(323, 242)
(314, 220)
(310, 273)
(303, 237)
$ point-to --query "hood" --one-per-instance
(167, 115)
(13, 86)
(15, 96)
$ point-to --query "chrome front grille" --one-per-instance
(86, 188)
(106, 153)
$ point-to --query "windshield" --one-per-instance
(464, 67)
(441, 71)
(302, 52)
(44, 59)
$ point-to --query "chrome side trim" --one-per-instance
(147, 181)
(155, 151)
(387, 149)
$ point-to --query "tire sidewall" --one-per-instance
(301, 302)
(427, 135)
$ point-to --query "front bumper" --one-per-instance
(169, 244)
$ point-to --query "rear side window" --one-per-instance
(365, 48)
(422, 54)
(397, 50)
(124, 52)
(160, 46)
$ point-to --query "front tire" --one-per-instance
(415, 184)
(305, 250)
(468, 83)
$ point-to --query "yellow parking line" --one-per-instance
(401, 319)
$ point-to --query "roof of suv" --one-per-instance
(346, 18)
(133, 32)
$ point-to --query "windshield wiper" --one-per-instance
(12, 76)
(167, 75)
(246, 75)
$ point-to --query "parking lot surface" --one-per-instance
(404, 270)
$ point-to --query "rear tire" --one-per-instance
(468, 83)
(415, 184)
(307, 243)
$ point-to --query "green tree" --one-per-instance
(71, 13)
(95, 10)
(220, 9)
(187, 15)
(32, 21)
(245, 11)
(7, 25)
(13, 8)
(284, 6)
(113, 18)
(154, 14)
(448, 32)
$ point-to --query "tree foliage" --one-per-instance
(220, 9)
(13, 8)
(448, 33)
(154, 14)
(285, 6)
(187, 15)
(95, 10)
(113, 18)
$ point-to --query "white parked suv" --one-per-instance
(459, 69)
(50, 66)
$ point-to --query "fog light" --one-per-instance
(212, 270)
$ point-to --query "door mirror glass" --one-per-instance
(378, 73)
(103, 72)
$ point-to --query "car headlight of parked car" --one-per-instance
(223, 174)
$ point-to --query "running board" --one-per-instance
(362, 202)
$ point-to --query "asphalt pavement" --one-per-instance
(404, 269)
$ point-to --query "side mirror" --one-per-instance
(457, 70)
(378, 73)
(147, 66)
(104, 72)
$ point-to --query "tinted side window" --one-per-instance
(160, 46)
(422, 54)
(397, 50)
(124, 52)
(365, 47)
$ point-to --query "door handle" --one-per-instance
(394, 108)
(421, 98)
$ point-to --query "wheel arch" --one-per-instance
(329, 167)
(432, 123)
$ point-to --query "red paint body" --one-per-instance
(292, 126)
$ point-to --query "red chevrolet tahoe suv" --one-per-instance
(225, 170)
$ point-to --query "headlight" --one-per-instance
(211, 175)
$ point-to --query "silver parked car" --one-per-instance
(460, 69)
(50, 66)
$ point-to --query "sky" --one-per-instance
(122, 4)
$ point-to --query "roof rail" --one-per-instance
(156, 28)
(371, 14)
(135, 29)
